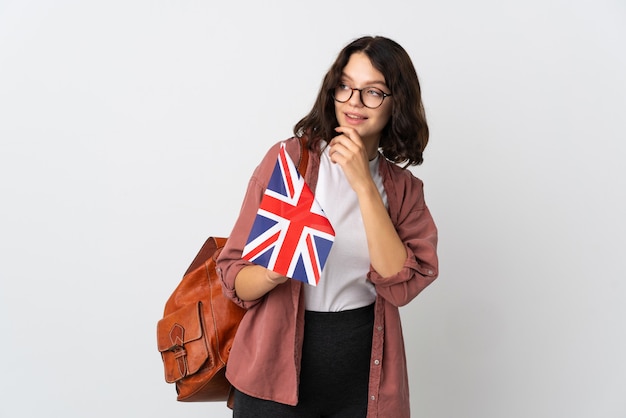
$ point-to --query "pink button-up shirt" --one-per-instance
(265, 358)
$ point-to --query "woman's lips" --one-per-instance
(354, 118)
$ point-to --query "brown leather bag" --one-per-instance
(197, 330)
(199, 325)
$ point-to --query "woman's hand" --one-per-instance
(348, 150)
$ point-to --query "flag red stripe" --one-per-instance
(262, 247)
(283, 159)
(309, 244)
(295, 215)
(286, 250)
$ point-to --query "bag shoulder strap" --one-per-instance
(304, 156)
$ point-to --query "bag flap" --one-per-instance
(180, 327)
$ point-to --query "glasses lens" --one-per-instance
(372, 97)
(342, 93)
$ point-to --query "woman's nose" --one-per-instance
(355, 100)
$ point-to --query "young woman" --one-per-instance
(336, 350)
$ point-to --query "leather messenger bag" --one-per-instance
(197, 330)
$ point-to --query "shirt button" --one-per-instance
(430, 272)
(379, 328)
(377, 362)
(373, 397)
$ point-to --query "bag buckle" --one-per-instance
(177, 338)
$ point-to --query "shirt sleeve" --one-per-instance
(418, 232)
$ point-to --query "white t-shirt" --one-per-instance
(343, 284)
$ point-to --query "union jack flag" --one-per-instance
(290, 235)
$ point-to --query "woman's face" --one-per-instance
(369, 123)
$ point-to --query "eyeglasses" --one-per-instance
(371, 97)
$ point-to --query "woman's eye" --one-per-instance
(343, 86)
(374, 92)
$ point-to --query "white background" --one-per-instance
(129, 128)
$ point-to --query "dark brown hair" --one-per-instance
(405, 136)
